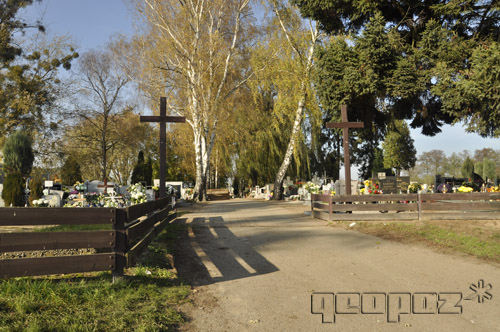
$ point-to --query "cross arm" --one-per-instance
(155, 118)
(345, 125)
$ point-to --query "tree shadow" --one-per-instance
(207, 252)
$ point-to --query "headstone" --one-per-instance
(177, 186)
(340, 187)
(394, 184)
(92, 186)
(317, 181)
(150, 194)
(54, 200)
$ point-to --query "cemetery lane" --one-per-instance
(255, 265)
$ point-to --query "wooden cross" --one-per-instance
(162, 119)
(345, 125)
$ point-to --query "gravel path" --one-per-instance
(255, 265)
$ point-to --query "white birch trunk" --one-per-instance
(299, 113)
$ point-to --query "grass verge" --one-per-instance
(147, 299)
(474, 243)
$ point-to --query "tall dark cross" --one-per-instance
(345, 125)
(163, 119)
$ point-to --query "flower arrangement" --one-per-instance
(413, 188)
(137, 193)
(493, 189)
(312, 188)
(40, 203)
(464, 189)
(92, 198)
(371, 187)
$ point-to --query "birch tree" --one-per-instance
(193, 52)
(300, 45)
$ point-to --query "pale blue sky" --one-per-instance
(91, 23)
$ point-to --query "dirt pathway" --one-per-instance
(259, 266)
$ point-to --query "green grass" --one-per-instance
(146, 299)
(486, 248)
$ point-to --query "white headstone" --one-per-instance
(150, 194)
(54, 200)
(340, 187)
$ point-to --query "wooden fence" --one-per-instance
(452, 206)
(133, 228)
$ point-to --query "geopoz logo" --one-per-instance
(394, 304)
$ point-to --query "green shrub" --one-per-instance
(13, 189)
(36, 187)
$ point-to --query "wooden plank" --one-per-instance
(317, 205)
(321, 215)
(462, 206)
(133, 253)
(56, 216)
(163, 202)
(24, 267)
(139, 229)
(460, 216)
(162, 214)
(56, 240)
(375, 207)
(461, 196)
(139, 210)
(375, 198)
(321, 198)
(374, 217)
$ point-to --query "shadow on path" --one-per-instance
(207, 252)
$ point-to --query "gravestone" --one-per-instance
(317, 181)
(54, 199)
(340, 187)
(394, 184)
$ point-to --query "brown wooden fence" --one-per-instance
(133, 228)
(452, 206)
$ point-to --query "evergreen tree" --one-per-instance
(468, 168)
(18, 153)
(447, 59)
(138, 172)
(36, 189)
(399, 151)
(13, 189)
(148, 172)
(71, 171)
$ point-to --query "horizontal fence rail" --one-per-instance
(406, 206)
(133, 228)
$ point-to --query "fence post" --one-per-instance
(312, 205)
(120, 243)
(330, 208)
(419, 205)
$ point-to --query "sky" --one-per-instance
(91, 24)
